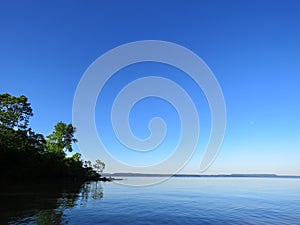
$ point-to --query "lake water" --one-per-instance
(177, 201)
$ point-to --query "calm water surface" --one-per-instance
(177, 201)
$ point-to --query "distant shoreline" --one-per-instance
(202, 176)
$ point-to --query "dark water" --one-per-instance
(177, 201)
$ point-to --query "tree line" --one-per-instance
(27, 155)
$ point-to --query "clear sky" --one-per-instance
(253, 48)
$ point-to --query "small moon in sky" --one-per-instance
(251, 122)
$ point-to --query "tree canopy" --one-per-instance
(15, 112)
(25, 154)
(61, 139)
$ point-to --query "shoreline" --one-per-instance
(203, 176)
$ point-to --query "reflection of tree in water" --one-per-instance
(49, 217)
(92, 190)
(45, 204)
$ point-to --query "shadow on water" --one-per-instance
(44, 203)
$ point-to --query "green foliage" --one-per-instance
(61, 139)
(25, 154)
(15, 112)
(21, 140)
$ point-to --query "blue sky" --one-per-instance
(253, 48)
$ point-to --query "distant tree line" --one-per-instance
(26, 155)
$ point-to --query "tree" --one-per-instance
(36, 141)
(74, 165)
(76, 157)
(14, 111)
(61, 139)
(99, 166)
(87, 163)
(25, 154)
